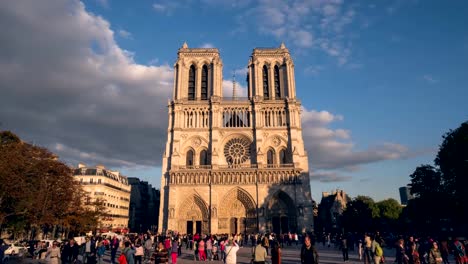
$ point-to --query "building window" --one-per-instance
(204, 83)
(203, 157)
(283, 157)
(91, 180)
(270, 157)
(266, 92)
(277, 83)
(189, 161)
(99, 181)
(191, 83)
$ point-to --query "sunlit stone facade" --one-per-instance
(232, 164)
(112, 188)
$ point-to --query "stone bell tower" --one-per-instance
(231, 164)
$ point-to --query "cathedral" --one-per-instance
(235, 164)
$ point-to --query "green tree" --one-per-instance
(359, 215)
(452, 160)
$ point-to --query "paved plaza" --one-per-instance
(290, 255)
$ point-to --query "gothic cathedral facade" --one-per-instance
(232, 164)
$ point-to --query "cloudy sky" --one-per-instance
(380, 81)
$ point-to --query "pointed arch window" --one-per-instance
(204, 83)
(277, 82)
(283, 156)
(271, 157)
(189, 158)
(266, 92)
(203, 157)
(191, 83)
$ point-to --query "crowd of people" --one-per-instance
(148, 248)
(402, 250)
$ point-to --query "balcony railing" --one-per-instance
(236, 166)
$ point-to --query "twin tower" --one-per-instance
(232, 164)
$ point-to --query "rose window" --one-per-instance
(237, 151)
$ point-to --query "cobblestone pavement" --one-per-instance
(290, 255)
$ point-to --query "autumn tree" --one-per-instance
(37, 191)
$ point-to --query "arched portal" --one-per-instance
(237, 213)
(281, 215)
(193, 216)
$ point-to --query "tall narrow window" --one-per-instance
(277, 83)
(266, 92)
(191, 83)
(203, 157)
(283, 157)
(270, 157)
(204, 83)
(189, 158)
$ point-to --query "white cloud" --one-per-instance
(103, 3)
(430, 79)
(84, 95)
(241, 91)
(125, 34)
(332, 149)
(207, 45)
(159, 7)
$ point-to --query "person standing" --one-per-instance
(139, 252)
(100, 251)
(231, 252)
(71, 251)
(148, 248)
(114, 245)
(209, 249)
(309, 254)
(160, 254)
(174, 250)
(128, 252)
(53, 254)
(401, 257)
(276, 253)
(434, 254)
(259, 254)
(344, 248)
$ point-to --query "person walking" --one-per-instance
(114, 245)
(139, 253)
(344, 248)
(53, 254)
(309, 254)
(276, 253)
(435, 256)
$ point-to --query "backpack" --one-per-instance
(122, 259)
(378, 250)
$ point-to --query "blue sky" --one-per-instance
(380, 81)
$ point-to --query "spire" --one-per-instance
(234, 88)
(282, 46)
(185, 46)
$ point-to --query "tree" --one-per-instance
(425, 182)
(452, 160)
(359, 215)
(38, 191)
(389, 213)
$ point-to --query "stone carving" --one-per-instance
(184, 136)
(171, 212)
(276, 141)
(237, 151)
(196, 142)
(214, 212)
(265, 134)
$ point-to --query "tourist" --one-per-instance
(401, 257)
(174, 250)
(259, 254)
(435, 257)
(139, 253)
(128, 252)
(100, 251)
(114, 245)
(344, 248)
(148, 248)
(276, 253)
(209, 248)
(231, 252)
(53, 254)
(160, 254)
(309, 254)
